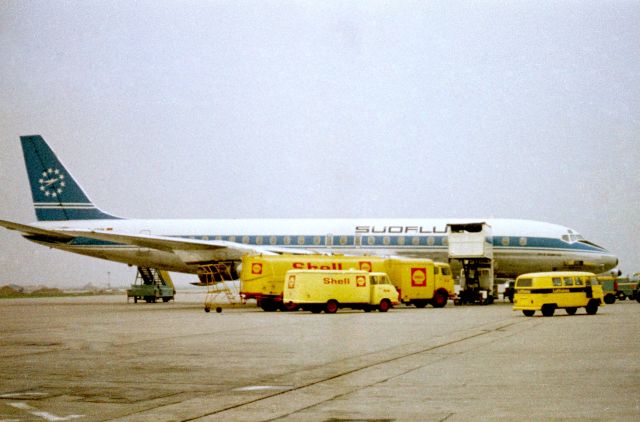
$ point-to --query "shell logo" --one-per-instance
(366, 266)
(256, 268)
(361, 281)
(418, 277)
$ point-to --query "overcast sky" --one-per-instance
(226, 109)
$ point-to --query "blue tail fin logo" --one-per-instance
(56, 194)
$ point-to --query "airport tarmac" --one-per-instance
(99, 358)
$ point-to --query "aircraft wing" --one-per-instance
(36, 231)
(190, 251)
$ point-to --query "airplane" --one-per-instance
(68, 220)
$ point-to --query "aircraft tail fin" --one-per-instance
(56, 194)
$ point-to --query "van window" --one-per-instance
(446, 271)
(568, 281)
(379, 279)
(557, 281)
(524, 282)
(436, 270)
(579, 281)
(594, 281)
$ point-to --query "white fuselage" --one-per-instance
(519, 246)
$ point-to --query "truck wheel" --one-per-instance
(331, 307)
(316, 309)
(268, 305)
(166, 299)
(571, 311)
(548, 310)
(528, 312)
(592, 307)
(439, 300)
(609, 299)
(207, 309)
(384, 305)
(288, 307)
(621, 296)
(420, 303)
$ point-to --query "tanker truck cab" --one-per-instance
(330, 290)
(421, 281)
(568, 290)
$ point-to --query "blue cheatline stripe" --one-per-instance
(406, 242)
(61, 214)
(423, 242)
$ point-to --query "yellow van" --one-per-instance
(329, 290)
(546, 292)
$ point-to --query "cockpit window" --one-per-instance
(572, 237)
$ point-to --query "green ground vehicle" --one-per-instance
(151, 285)
(618, 288)
(627, 288)
(609, 288)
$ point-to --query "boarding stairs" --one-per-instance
(150, 276)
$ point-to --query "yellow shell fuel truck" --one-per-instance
(330, 290)
(419, 281)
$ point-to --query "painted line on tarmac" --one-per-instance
(41, 414)
(479, 333)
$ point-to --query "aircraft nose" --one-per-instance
(611, 261)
